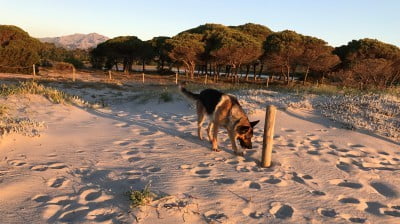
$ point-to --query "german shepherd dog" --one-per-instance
(222, 110)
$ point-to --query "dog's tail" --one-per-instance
(188, 94)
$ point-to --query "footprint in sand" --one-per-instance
(121, 143)
(393, 213)
(327, 212)
(252, 214)
(121, 125)
(39, 168)
(56, 182)
(232, 161)
(317, 193)
(134, 159)
(357, 220)
(93, 195)
(57, 166)
(201, 172)
(41, 198)
(61, 200)
(153, 169)
(344, 166)
(133, 173)
(244, 169)
(274, 181)
(281, 211)
(384, 189)
(16, 162)
(345, 183)
(348, 200)
(74, 215)
(221, 181)
(373, 207)
(253, 185)
(299, 179)
(213, 216)
(101, 215)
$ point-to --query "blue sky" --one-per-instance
(335, 21)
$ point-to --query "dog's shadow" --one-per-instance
(152, 128)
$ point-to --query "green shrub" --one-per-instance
(140, 198)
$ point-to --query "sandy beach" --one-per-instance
(78, 167)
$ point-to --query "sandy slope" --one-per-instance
(78, 170)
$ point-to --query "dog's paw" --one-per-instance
(216, 150)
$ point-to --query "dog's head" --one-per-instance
(245, 133)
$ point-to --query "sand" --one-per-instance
(80, 167)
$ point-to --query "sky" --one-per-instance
(335, 21)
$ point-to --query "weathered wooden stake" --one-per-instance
(73, 74)
(176, 78)
(109, 75)
(34, 71)
(143, 78)
(268, 136)
(267, 81)
(205, 80)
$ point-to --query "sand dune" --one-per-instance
(80, 167)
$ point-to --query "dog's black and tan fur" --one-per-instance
(222, 110)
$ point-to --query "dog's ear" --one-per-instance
(254, 123)
(243, 129)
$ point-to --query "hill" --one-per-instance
(74, 41)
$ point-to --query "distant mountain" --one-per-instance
(74, 41)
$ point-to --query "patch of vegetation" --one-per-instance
(3, 110)
(165, 96)
(24, 126)
(31, 87)
(141, 198)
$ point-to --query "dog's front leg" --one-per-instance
(214, 140)
(231, 134)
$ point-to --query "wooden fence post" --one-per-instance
(267, 81)
(34, 71)
(109, 75)
(268, 136)
(205, 80)
(143, 78)
(176, 78)
(73, 74)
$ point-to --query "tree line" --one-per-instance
(253, 49)
(248, 50)
(19, 51)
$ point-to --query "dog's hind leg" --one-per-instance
(214, 140)
(209, 131)
(200, 118)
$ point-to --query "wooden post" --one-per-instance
(34, 71)
(109, 75)
(73, 74)
(268, 136)
(176, 78)
(143, 78)
(205, 80)
(267, 81)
